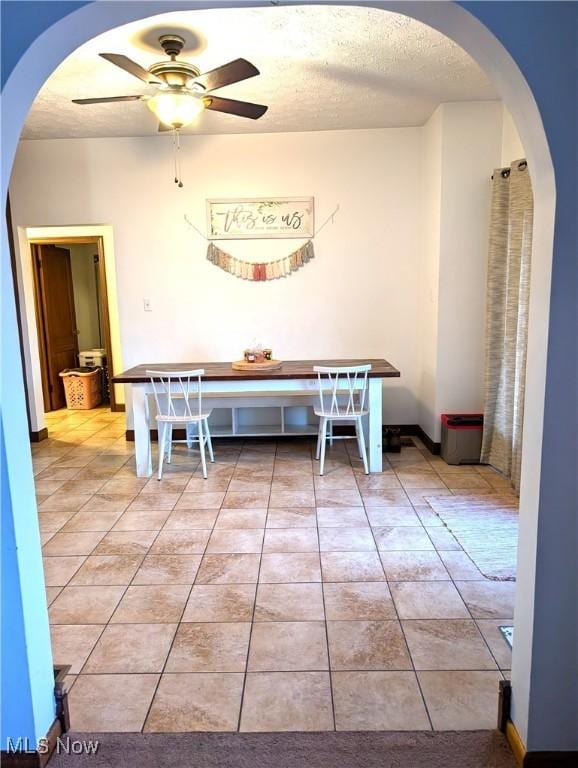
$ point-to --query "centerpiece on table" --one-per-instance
(257, 357)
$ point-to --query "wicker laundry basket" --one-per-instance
(82, 388)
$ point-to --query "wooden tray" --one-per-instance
(266, 365)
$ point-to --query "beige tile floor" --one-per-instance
(265, 598)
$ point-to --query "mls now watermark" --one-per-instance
(63, 746)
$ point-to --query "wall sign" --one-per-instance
(255, 218)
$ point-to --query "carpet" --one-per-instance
(486, 527)
(464, 749)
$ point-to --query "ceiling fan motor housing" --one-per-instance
(182, 86)
(172, 45)
(175, 74)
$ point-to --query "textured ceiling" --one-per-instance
(322, 68)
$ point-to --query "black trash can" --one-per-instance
(462, 437)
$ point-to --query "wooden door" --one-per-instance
(56, 318)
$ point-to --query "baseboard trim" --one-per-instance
(36, 758)
(550, 759)
(406, 430)
(504, 705)
(27, 755)
(39, 435)
(515, 742)
(61, 695)
(433, 447)
(536, 759)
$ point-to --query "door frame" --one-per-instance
(40, 302)
(98, 241)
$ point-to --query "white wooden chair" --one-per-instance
(178, 400)
(342, 398)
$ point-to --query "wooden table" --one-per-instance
(220, 380)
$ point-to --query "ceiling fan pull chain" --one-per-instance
(179, 157)
(175, 154)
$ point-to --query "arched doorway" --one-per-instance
(475, 38)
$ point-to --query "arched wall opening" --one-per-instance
(64, 36)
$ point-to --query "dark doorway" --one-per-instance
(56, 318)
(71, 312)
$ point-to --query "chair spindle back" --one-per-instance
(177, 393)
(342, 390)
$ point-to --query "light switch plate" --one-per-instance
(147, 305)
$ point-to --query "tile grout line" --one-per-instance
(471, 617)
(242, 701)
(281, 671)
(186, 602)
(329, 665)
(399, 621)
(105, 626)
(127, 586)
(451, 579)
(104, 451)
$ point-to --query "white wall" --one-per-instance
(356, 299)
(429, 271)
(400, 273)
(85, 295)
(512, 147)
(462, 145)
(471, 147)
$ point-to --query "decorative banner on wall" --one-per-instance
(270, 270)
(255, 218)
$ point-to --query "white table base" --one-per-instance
(138, 397)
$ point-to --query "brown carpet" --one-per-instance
(469, 749)
(486, 528)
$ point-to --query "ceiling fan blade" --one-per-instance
(233, 72)
(233, 107)
(131, 67)
(163, 128)
(106, 99)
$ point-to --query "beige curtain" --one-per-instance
(508, 290)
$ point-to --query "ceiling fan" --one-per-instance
(183, 91)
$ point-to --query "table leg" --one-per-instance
(142, 437)
(375, 426)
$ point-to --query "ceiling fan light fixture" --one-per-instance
(176, 109)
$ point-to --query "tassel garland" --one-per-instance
(271, 270)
